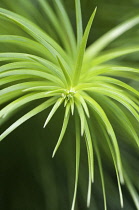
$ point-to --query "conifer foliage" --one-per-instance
(63, 71)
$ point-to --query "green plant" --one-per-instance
(83, 80)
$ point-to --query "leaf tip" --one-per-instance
(82, 132)
(44, 124)
(53, 155)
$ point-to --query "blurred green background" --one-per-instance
(29, 178)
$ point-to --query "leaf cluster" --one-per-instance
(84, 80)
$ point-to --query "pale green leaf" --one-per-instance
(27, 43)
(101, 173)
(67, 28)
(23, 100)
(132, 190)
(65, 72)
(81, 50)
(110, 36)
(35, 32)
(27, 116)
(114, 54)
(78, 21)
(65, 123)
(97, 108)
(120, 97)
(77, 129)
(55, 22)
(55, 107)
(33, 72)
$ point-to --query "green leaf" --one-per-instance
(132, 190)
(14, 78)
(67, 28)
(97, 108)
(65, 123)
(81, 114)
(33, 72)
(22, 86)
(113, 54)
(114, 161)
(117, 112)
(65, 72)
(35, 32)
(27, 43)
(23, 100)
(72, 105)
(10, 96)
(80, 55)
(110, 36)
(21, 65)
(55, 107)
(84, 105)
(56, 23)
(79, 21)
(89, 190)
(101, 173)
(27, 116)
(110, 70)
(117, 83)
(45, 65)
(90, 148)
(120, 97)
(77, 130)
(88, 141)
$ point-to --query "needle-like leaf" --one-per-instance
(110, 36)
(55, 107)
(77, 160)
(79, 21)
(101, 173)
(27, 116)
(95, 106)
(93, 87)
(65, 123)
(66, 25)
(81, 50)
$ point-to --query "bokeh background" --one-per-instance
(29, 178)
